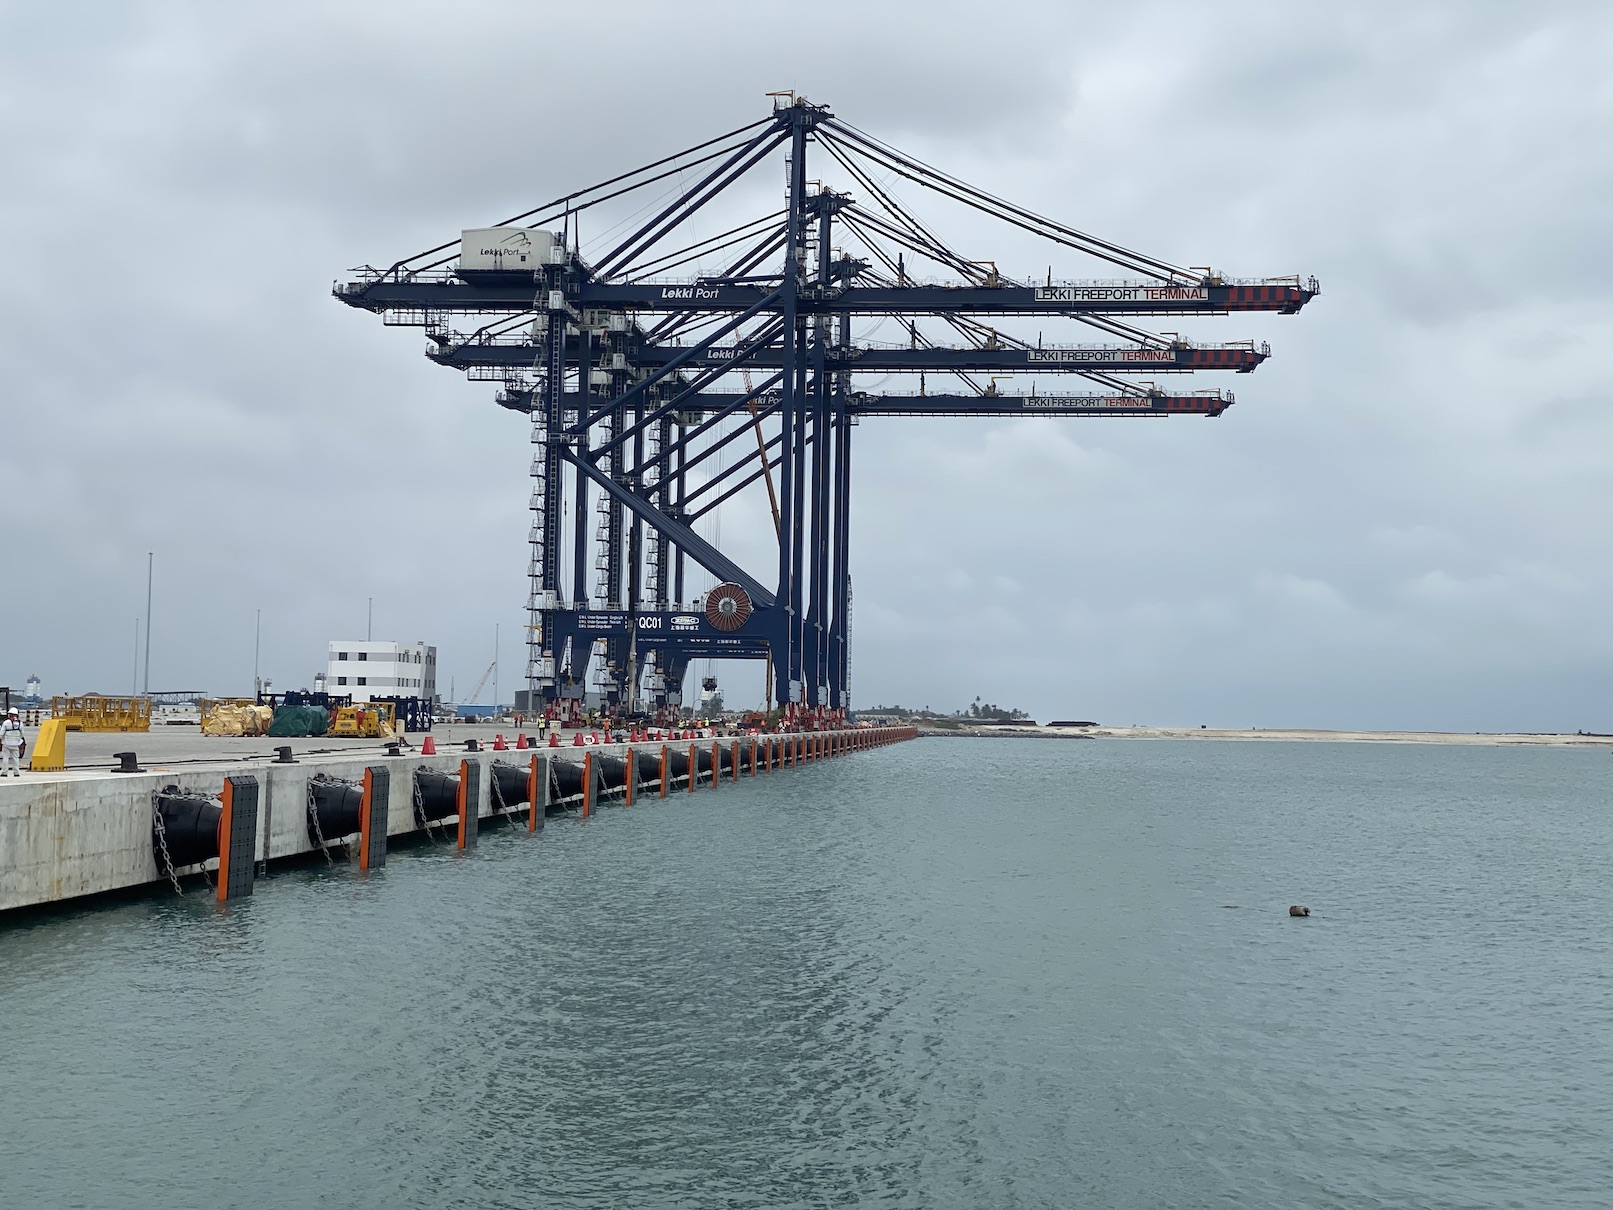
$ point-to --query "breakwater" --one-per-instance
(80, 834)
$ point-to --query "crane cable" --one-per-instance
(949, 186)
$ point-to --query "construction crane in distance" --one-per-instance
(476, 693)
(689, 325)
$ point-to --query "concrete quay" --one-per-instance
(89, 830)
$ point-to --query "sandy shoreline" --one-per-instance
(1290, 735)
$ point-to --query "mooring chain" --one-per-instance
(162, 843)
(161, 829)
(500, 806)
(319, 832)
(349, 847)
(420, 807)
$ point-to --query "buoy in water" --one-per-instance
(1299, 909)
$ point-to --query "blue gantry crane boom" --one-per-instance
(637, 383)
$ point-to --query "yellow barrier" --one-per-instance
(50, 747)
(95, 713)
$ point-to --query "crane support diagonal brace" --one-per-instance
(701, 551)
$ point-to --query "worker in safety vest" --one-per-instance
(12, 744)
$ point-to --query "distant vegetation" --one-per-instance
(977, 711)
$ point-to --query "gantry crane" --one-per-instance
(638, 384)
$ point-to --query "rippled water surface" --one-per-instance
(952, 973)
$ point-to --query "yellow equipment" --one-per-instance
(50, 747)
(93, 712)
(375, 720)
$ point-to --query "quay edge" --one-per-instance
(78, 834)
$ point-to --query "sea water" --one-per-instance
(950, 973)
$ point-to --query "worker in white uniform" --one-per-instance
(12, 744)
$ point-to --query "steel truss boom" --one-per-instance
(631, 384)
(718, 359)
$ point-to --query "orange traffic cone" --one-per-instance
(554, 739)
(576, 740)
(520, 741)
(428, 747)
(499, 745)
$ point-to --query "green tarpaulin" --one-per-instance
(294, 722)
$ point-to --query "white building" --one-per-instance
(369, 669)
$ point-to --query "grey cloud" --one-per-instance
(1402, 522)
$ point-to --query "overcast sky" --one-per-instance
(1403, 523)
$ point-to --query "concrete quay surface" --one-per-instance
(186, 744)
(88, 830)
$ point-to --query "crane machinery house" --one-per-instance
(505, 250)
(367, 669)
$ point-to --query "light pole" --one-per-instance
(369, 621)
(150, 559)
(257, 638)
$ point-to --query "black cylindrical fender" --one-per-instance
(649, 767)
(567, 779)
(337, 804)
(512, 783)
(612, 772)
(190, 826)
(437, 795)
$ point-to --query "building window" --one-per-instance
(363, 680)
(364, 655)
(341, 655)
(341, 680)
